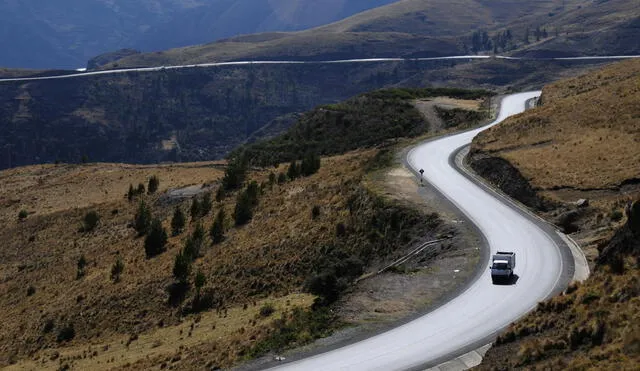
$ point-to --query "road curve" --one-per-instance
(338, 61)
(472, 318)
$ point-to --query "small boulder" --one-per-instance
(583, 202)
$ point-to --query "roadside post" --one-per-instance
(421, 173)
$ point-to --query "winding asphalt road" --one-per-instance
(244, 63)
(472, 318)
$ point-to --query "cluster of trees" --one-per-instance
(201, 207)
(309, 165)
(538, 33)
(146, 225)
(152, 187)
(480, 41)
(503, 41)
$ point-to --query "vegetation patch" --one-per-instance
(368, 120)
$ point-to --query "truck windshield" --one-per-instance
(500, 266)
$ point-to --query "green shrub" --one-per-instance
(266, 310)
(66, 333)
(31, 290)
(81, 265)
(23, 214)
(315, 212)
(90, 221)
(616, 215)
(131, 193)
(48, 326)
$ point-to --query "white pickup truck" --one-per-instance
(502, 265)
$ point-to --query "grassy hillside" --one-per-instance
(581, 143)
(444, 18)
(55, 308)
(583, 139)
(299, 46)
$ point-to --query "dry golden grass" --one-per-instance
(47, 189)
(266, 260)
(585, 136)
(594, 326)
(207, 334)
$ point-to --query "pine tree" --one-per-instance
(217, 229)
(142, 219)
(194, 243)
(178, 221)
(293, 171)
(243, 211)
(199, 281)
(235, 173)
(153, 185)
(131, 193)
(253, 191)
(156, 240)
(182, 268)
(195, 209)
(220, 194)
(206, 205)
(310, 164)
(140, 190)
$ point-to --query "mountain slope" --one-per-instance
(426, 28)
(37, 34)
